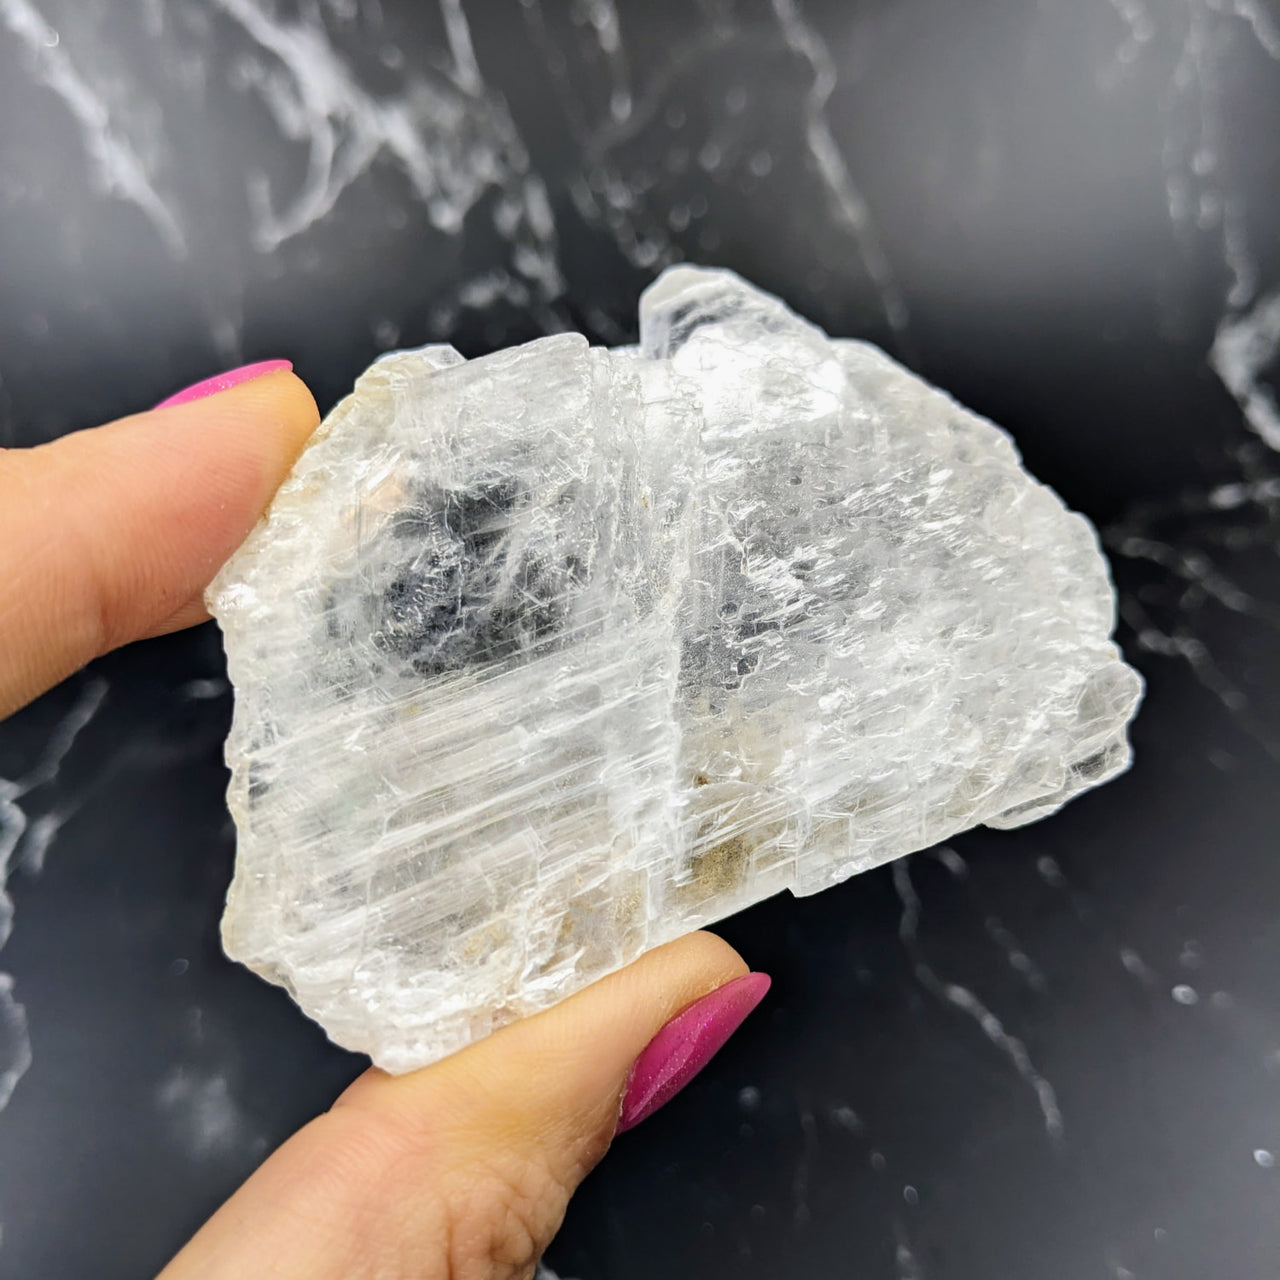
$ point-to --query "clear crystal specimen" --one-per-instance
(546, 658)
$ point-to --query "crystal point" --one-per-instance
(546, 658)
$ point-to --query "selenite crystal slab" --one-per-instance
(546, 658)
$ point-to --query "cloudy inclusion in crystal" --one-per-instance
(546, 658)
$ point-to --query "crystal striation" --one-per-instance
(546, 658)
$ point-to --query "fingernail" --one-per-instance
(686, 1044)
(225, 381)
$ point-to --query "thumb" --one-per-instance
(463, 1171)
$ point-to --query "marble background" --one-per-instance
(1045, 1055)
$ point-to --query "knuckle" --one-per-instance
(501, 1215)
(439, 1206)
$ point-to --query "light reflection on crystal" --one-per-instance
(546, 658)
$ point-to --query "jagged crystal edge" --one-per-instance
(549, 657)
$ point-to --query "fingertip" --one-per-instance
(224, 382)
(198, 476)
(148, 508)
(285, 397)
(703, 953)
(562, 1069)
(255, 431)
(663, 981)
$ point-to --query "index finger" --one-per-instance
(111, 534)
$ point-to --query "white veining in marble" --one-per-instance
(1204, 39)
(904, 1255)
(627, 201)
(1247, 345)
(24, 842)
(1201, 159)
(962, 998)
(849, 205)
(1201, 196)
(450, 139)
(203, 1115)
(544, 1272)
(1135, 965)
(116, 164)
(1229, 521)
(1140, 28)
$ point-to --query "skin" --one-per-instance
(461, 1171)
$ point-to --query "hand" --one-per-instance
(461, 1171)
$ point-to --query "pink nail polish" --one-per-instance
(686, 1044)
(225, 381)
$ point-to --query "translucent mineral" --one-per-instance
(546, 658)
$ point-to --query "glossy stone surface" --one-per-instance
(549, 657)
(972, 1062)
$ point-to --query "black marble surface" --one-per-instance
(1045, 1055)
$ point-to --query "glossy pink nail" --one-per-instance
(225, 381)
(686, 1044)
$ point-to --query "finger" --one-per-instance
(463, 1171)
(112, 534)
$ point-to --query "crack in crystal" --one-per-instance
(651, 631)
